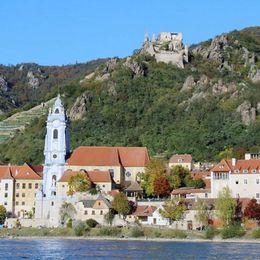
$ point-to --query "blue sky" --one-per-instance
(56, 32)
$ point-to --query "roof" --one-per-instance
(144, 210)
(99, 176)
(88, 203)
(18, 172)
(181, 158)
(240, 166)
(134, 186)
(37, 168)
(109, 156)
(204, 175)
(188, 190)
(94, 176)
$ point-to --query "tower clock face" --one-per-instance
(56, 123)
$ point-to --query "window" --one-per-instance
(236, 171)
(5, 203)
(101, 212)
(103, 185)
(6, 195)
(54, 156)
(23, 203)
(23, 195)
(245, 181)
(17, 195)
(55, 134)
(6, 186)
(128, 174)
(93, 212)
(86, 212)
(99, 203)
(57, 111)
(52, 203)
(36, 185)
(257, 195)
(236, 181)
(257, 181)
(53, 180)
(17, 203)
(29, 185)
(237, 195)
(254, 171)
(24, 185)
(245, 171)
(17, 185)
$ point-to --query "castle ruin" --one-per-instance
(167, 47)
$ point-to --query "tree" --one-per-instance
(252, 210)
(174, 181)
(227, 153)
(180, 177)
(203, 213)
(161, 187)
(67, 211)
(199, 184)
(226, 206)
(155, 169)
(121, 204)
(78, 183)
(173, 209)
(109, 217)
(2, 214)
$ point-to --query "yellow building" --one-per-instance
(184, 160)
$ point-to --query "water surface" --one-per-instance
(114, 249)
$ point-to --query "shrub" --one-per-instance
(256, 233)
(233, 231)
(136, 232)
(210, 232)
(69, 223)
(109, 231)
(80, 228)
(91, 223)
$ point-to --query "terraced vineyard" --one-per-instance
(18, 121)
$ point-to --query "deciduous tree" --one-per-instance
(161, 187)
(2, 214)
(252, 210)
(78, 183)
(121, 204)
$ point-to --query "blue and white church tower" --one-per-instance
(56, 149)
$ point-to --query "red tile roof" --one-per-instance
(18, 172)
(144, 210)
(241, 166)
(202, 175)
(94, 176)
(109, 156)
(181, 158)
(188, 190)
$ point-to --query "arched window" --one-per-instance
(57, 111)
(54, 180)
(55, 134)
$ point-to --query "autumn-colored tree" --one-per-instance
(173, 209)
(121, 204)
(252, 210)
(203, 212)
(78, 183)
(155, 169)
(226, 206)
(179, 177)
(2, 214)
(162, 187)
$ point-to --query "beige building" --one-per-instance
(184, 160)
(123, 163)
(93, 208)
(19, 185)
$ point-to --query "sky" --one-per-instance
(58, 32)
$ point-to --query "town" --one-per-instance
(120, 186)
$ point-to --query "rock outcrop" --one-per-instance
(220, 88)
(134, 67)
(247, 112)
(254, 74)
(79, 108)
(4, 85)
(188, 84)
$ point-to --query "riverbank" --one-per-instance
(125, 234)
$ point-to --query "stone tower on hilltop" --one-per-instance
(167, 47)
(56, 149)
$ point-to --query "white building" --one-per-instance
(241, 176)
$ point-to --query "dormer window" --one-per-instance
(55, 134)
(57, 111)
(180, 160)
(254, 171)
(245, 171)
(236, 171)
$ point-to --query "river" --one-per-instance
(118, 249)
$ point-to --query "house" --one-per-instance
(101, 179)
(184, 160)
(93, 208)
(18, 187)
(191, 192)
(142, 212)
(123, 163)
(241, 176)
(134, 190)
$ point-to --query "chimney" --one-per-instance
(233, 161)
(247, 156)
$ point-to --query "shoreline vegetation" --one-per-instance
(129, 233)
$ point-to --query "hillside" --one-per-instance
(211, 105)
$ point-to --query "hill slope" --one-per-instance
(211, 104)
